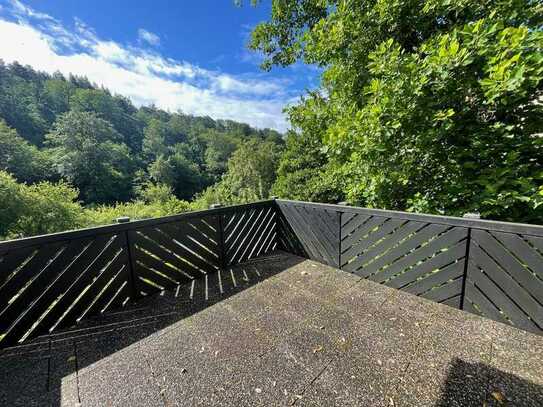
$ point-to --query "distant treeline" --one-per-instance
(66, 132)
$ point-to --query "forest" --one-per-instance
(434, 109)
(74, 155)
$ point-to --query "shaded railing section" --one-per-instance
(54, 281)
(493, 269)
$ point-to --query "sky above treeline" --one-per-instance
(188, 56)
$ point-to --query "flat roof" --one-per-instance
(282, 330)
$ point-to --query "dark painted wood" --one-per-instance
(521, 228)
(507, 261)
(436, 264)
(444, 292)
(499, 299)
(525, 304)
(69, 276)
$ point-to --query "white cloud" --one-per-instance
(148, 37)
(145, 77)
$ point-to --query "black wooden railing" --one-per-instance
(54, 281)
(493, 269)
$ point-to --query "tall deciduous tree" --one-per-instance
(88, 152)
(432, 106)
(250, 176)
(22, 159)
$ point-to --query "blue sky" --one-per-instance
(185, 55)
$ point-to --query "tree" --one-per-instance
(178, 172)
(37, 209)
(219, 149)
(304, 172)
(116, 110)
(89, 153)
(20, 158)
(57, 94)
(20, 104)
(154, 140)
(106, 146)
(434, 108)
(250, 175)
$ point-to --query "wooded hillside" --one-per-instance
(100, 155)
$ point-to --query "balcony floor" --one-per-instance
(289, 332)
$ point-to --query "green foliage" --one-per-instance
(250, 176)
(220, 148)
(434, 108)
(304, 173)
(178, 172)
(89, 153)
(41, 208)
(20, 158)
(154, 200)
(121, 160)
(45, 207)
(19, 102)
(141, 144)
(115, 110)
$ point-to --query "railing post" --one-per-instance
(131, 259)
(343, 203)
(466, 258)
(220, 233)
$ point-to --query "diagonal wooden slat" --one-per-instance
(519, 304)
(103, 288)
(441, 276)
(241, 231)
(180, 240)
(500, 300)
(454, 255)
(364, 229)
(27, 272)
(51, 282)
(317, 230)
(477, 303)
(346, 219)
(422, 253)
(507, 261)
(252, 233)
(316, 222)
(383, 247)
(522, 250)
(42, 290)
(12, 261)
(259, 239)
(287, 238)
(360, 247)
(309, 244)
(444, 292)
(63, 292)
(145, 250)
(255, 237)
(366, 268)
